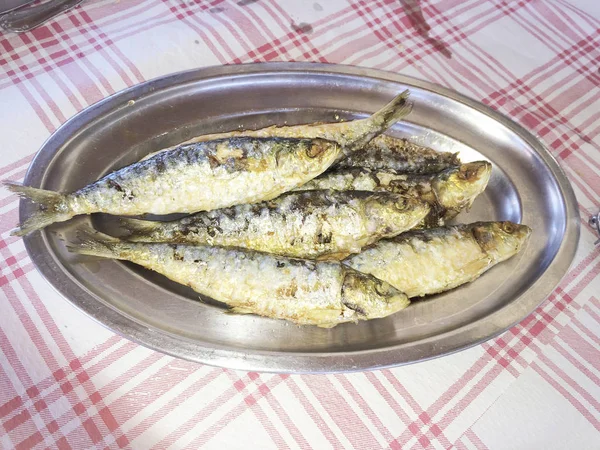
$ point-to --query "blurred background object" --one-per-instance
(21, 18)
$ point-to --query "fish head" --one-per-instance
(309, 154)
(366, 297)
(458, 187)
(391, 214)
(501, 240)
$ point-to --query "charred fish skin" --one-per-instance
(302, 291)
(424, 262)
(351, 136)
(398, 155)
(447, 192)
(308, 224)
(191, 178)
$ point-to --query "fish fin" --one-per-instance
(394, 110)
(383, 119)
(327, 325)
(476, 267)
(53, 208)
(239, 310)
(94, 243)
(137, 228)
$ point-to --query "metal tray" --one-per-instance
(526, 186)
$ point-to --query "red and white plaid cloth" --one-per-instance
(67, 382)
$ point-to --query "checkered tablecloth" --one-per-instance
(67, 382)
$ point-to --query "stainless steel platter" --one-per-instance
(527, 186)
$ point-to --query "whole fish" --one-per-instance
(191, 178)
(310, 224)
(423, 262)
(302, 291)
(447, 192)
(351, 135)
(398, 155)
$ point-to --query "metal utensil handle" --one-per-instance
(9, 5)
(26, 19)
(595, 222)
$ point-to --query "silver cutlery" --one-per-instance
(25, 19)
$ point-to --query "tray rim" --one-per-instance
(454, 341)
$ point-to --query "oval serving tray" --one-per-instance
(526, 186)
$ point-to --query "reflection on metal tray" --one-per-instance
(526, 186)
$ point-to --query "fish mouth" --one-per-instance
(318, 147)
(477, 171)
(474, 178)
(519, 231)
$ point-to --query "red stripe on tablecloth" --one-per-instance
(277, 48)
(36, 107)
(589, 19)
(183, 14)
(23, 162)
(423, 427)
(459, 385)
(86, 31)
(18, 426)
(175, 377)
(590, 311)
(300, 40)
(58, 337)
(475, 440)
(388, 397)
(41, 386)
(576, 387)
(249, 401)
(258, 410)
(85, 18)
(340, 411)
(567, 395)
(287, 422)
(364, 407)
(581, 327)
(584, 349)
(321, 424)
(52, 73)
(64, 390)
(202, 414)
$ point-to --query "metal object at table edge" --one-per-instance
(297, 362)
(26, 18)
(595, 223)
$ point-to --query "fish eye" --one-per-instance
(315, 149)
(382, 288)
(400, 204)
(509, 227)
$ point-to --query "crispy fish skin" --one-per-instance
(398, 155)
(423, 262)
(310, 224)
(191, 178)
(447, 192)
(351, 135)
(302, 291)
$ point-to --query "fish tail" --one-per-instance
(94, 243)
(138, 229)
(381, 120)
(53, 208)
(398, 108)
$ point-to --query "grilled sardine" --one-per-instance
(191, 178)
(398, 155)
(302, 291)
(423, 262)
(310, 224)
(447, 192)
(351, 135)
